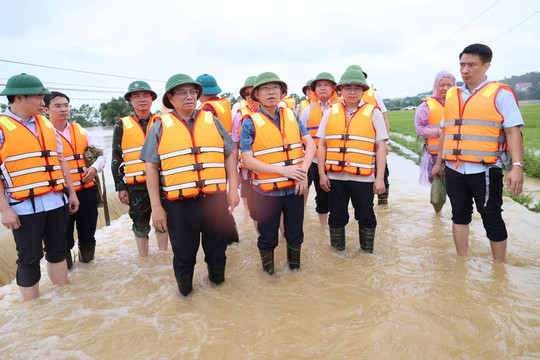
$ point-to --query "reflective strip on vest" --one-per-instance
(136, 173)
(131, 162)
(34, 185)
(459, 122)
(130, 150)
(288, 162)
(346, 163)
(351, 150)
(78, 170)
(192, 167)
(269, 181)
(199, 184)
(32, 154)
(74, 157)
(195, 150)
(277, 149)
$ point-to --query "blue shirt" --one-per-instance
(248, 136)
(506, 105)
(46, 202)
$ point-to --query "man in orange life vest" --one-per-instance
(306, 89)
(128, 170)
(191, 157)
(34, 178)
(481, 121)
(351, 160)
(323, 96)
(75, 140)
(272, 141)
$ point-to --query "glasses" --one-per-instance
(247, 93)
(353, 88)
(267, 88)
(183, 94)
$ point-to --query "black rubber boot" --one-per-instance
(383, 198)
(337, 238)
(185, 284)
(267, 258)
(69, 260)
(367, 238)
(293, 255)
(216, 274)
(86, 252)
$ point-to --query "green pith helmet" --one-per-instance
(209, 84)
(322, 76)
(24, 84)
(265, 78)
(250, 81)
(308, 85)
(353, 77)
(139, 85)
(357, 67)
(177, 80)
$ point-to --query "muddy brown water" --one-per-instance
(414, 298)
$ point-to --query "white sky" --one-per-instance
(400, 44)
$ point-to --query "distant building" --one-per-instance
(523, 86)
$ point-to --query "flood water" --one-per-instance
(414, 298)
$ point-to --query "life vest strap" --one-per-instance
(277, 149)
(271, 180)
(35, 185)
(74, 157)
(472, 152)
(192, 150)
(459, 122)
(191, 184)
(43, 153)
(197, 167)
(132, 162)
(49, 168)
(350, 150)
(78, 170)
(288, 162)
(136, 173)
(350, 137)
(346, 163)
(499, 139)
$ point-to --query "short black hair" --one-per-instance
(483, 51)
(11, 99)
(54, 94)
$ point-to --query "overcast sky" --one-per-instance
(400, 44)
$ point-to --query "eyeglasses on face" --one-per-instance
(267, 88)
(184, 93)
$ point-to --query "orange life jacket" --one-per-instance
(132, 142)
(473, 131)
(316, 114)
(350, 145)
(246, 112)
(74, 155)
(191, 162)
(303, 104)
(436, 112)
(30, 165)
(277, 146)
(290, 101)
(222, 107)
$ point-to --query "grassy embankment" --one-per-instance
(403, 133)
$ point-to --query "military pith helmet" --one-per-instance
(266, 78)
(24, 84)
(177, 80)
(250, 81)
(353, 77)
(308, 85)
(139, 85)
(209, 84)
(357, 67)
(322, 76)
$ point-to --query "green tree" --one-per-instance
(86, 115)
(111, 111)
(3, 107)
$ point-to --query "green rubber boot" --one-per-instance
(383, 198)
(337, 238)
(86, 252)
(267, 257)
(367, 238)
(69, 260)
(293, 255)
(185, 284)
(216, 274)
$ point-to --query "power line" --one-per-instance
(515, 26)
(445, 40)
(78, 71)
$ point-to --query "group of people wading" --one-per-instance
(182, 168)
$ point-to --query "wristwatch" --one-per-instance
(518, 163)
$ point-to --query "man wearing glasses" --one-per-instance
(272, 142)
(191, 157)
(128, 170)
(75, 140)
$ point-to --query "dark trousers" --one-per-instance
(462, 189)
(269, 209)
(85, 219)
(321, 197)
(44, 231)
(187, 219)
(361, 195)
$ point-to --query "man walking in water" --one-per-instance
(481, 120)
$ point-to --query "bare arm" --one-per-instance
(9, 218)
(514, 179)
(321, 159)
(232, 176)
(159, 216)
(380, 163)
(437, 168)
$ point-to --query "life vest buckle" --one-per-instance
(345, 136)
(341, 163)
(198, 167)
(287, 147)
(53, 182)
(342, 149)
(288, 162)
(45, 153)
(458, 122)
(78, 156)
(80, 170)
(456, 151)
(49, 168)
(457, 137)
(199, 183)
(196, 150)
